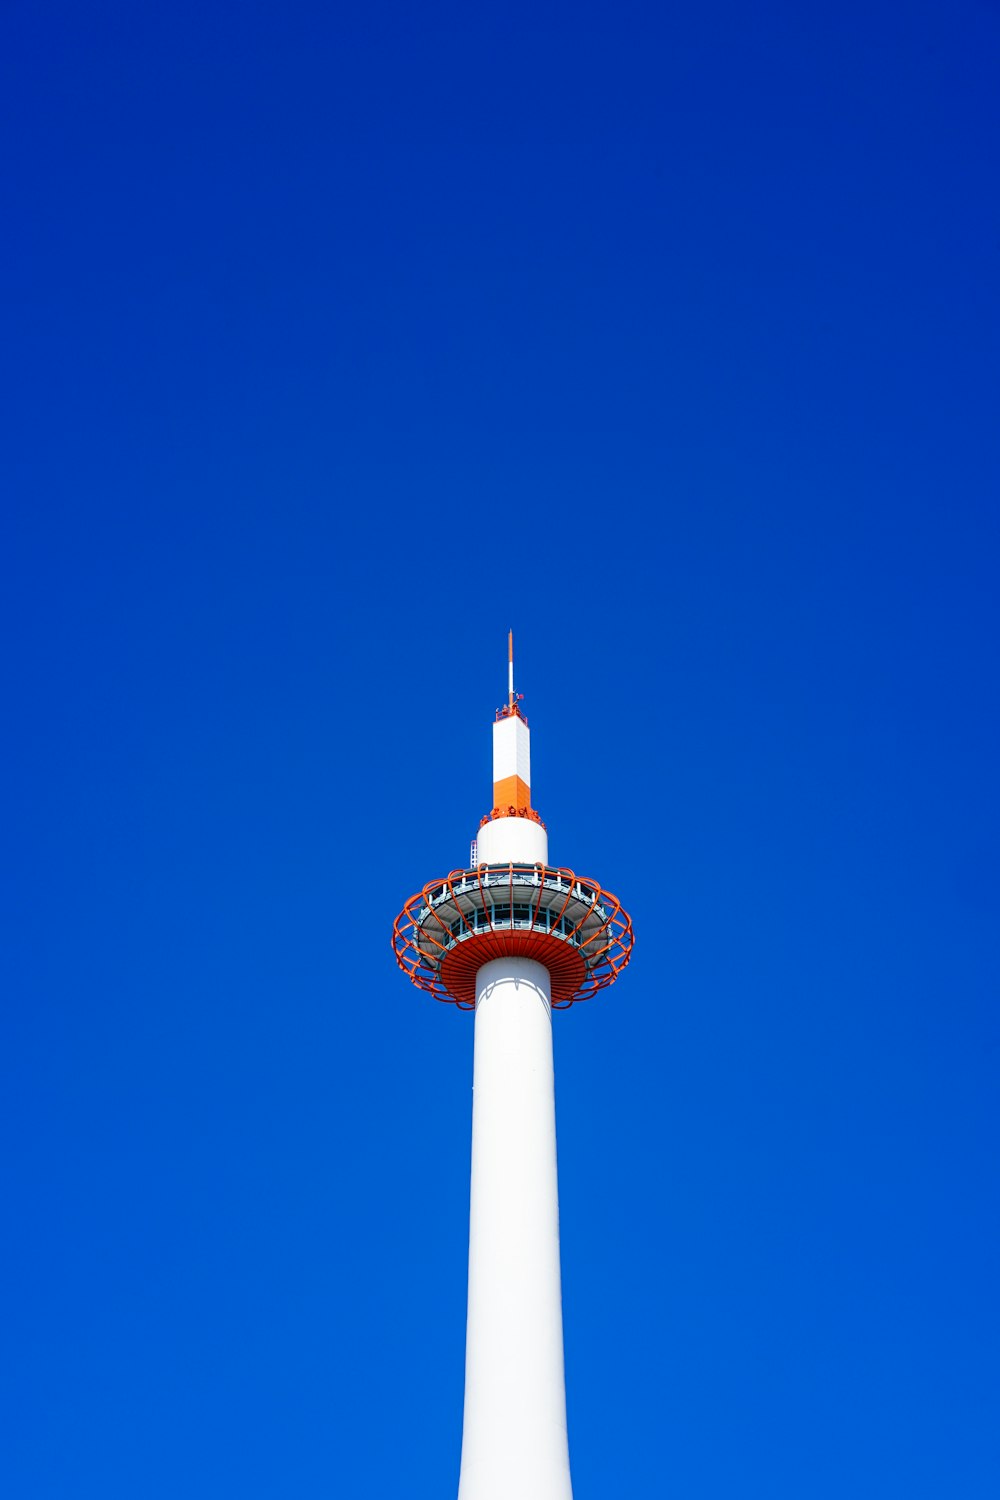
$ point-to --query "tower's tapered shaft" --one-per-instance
(514, 1444)
(510, 936)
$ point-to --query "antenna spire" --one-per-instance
(510, 669)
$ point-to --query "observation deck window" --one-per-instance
(544, 919)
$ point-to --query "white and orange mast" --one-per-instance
(513, 938)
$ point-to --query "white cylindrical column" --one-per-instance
(514, 1444)
(517, 841)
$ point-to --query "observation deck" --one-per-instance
(447, 931)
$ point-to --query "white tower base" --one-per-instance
(514, 1444)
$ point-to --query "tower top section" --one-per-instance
(512, 707)
(511, 902)
(511, 754)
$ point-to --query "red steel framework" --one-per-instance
(583, 951)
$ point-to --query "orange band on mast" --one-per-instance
(511, 791)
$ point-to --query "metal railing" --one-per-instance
(549, 902)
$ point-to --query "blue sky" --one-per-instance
(335, 341)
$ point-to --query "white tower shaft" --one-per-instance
(506, 934)
(514, 1444)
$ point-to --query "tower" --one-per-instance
(513, 938)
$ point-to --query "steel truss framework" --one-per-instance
(447, 931)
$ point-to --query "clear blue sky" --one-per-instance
(335, 340)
